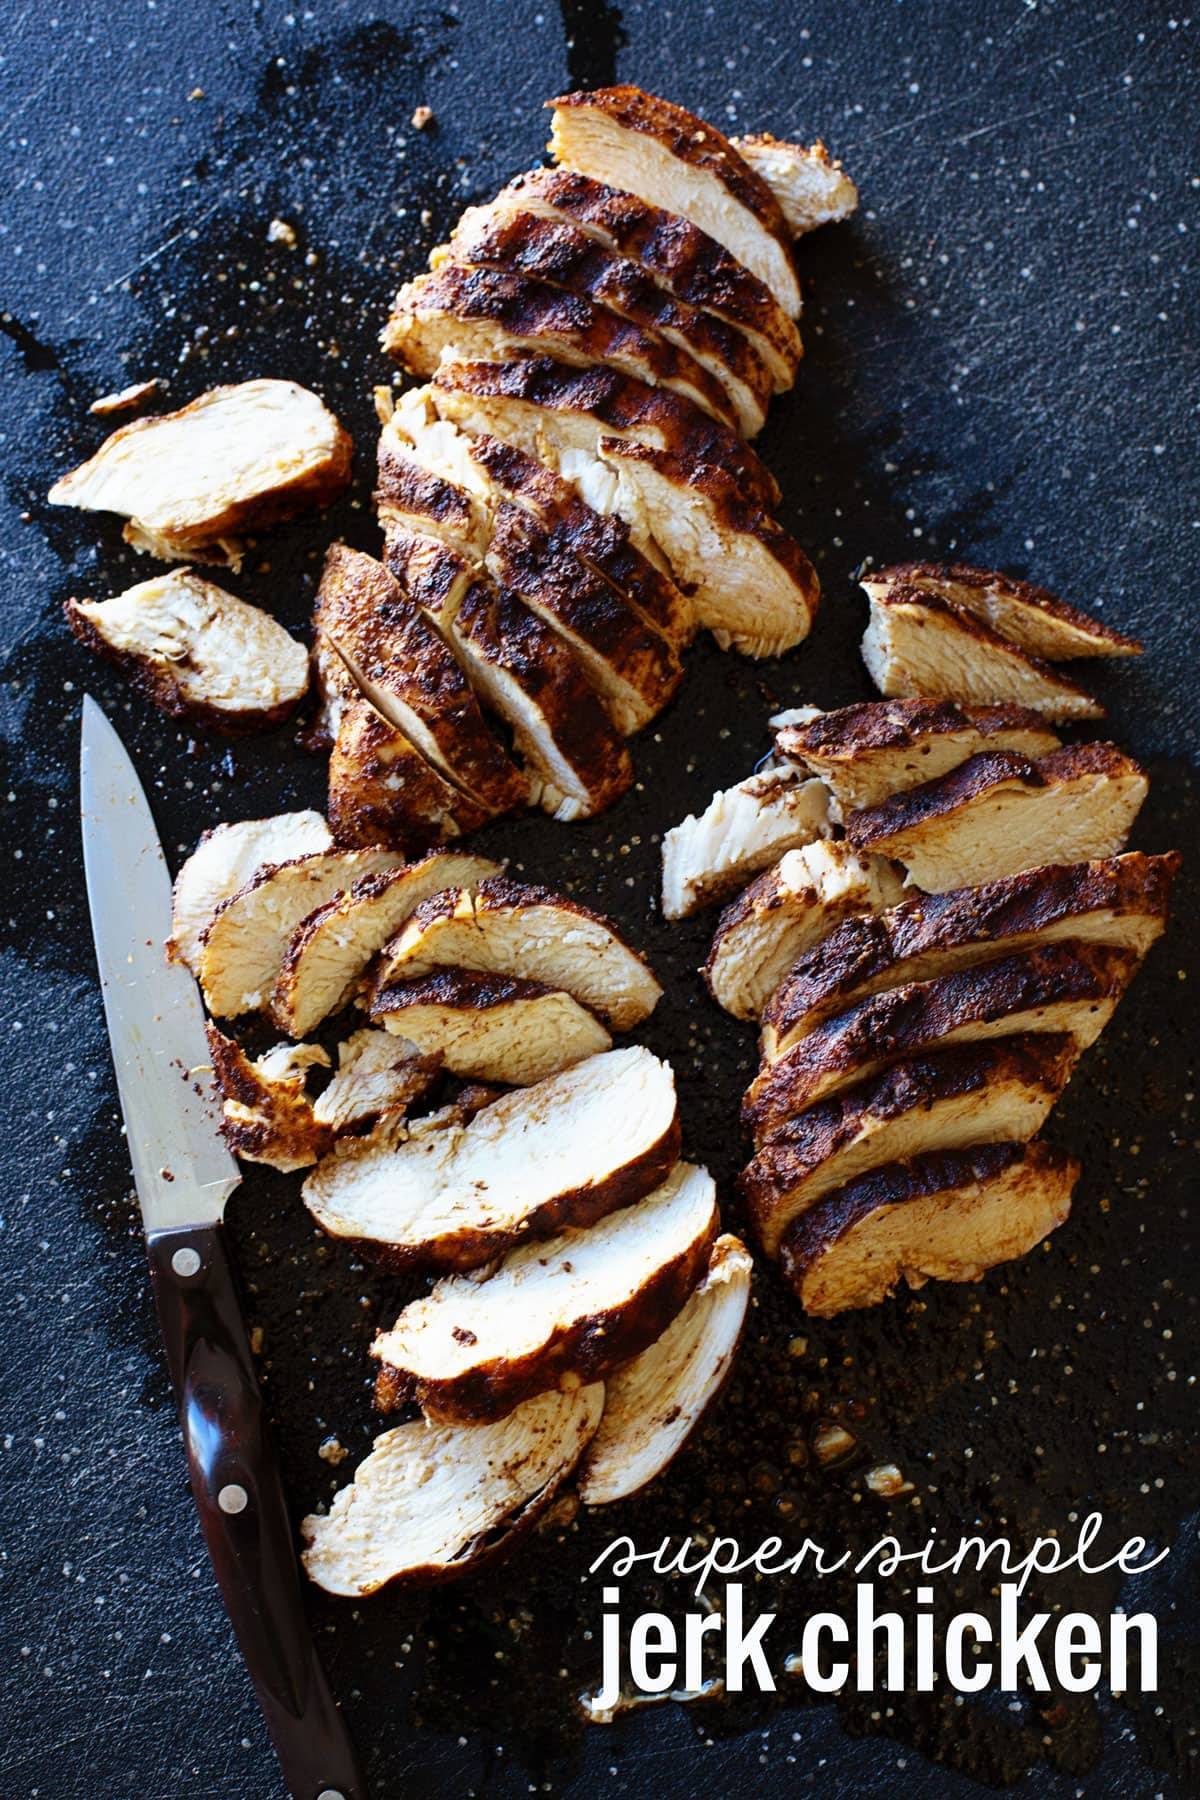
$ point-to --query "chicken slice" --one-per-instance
(868, 752)
(1033, 619)
(509, 928)
(941, 1217)
(555, 1313)
(224, 860)
(989, 1093)
(491, 1027)
(810, 187)
(450, 1194)
(784, 912)
(634, 140)
(918, 644)
(434, 1502)
(653, 1404)
(999, 813)
(267, 1116)
(377, 1073)
(330, 949)
(382, 791)
(742, 829)
(191, 483)
(196, 652)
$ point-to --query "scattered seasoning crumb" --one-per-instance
(332, 1450)
(832, 1443)
(886, 1479)
(197, 93)
(256, 1340)
(385, 403)
(280, 232)
(127, 399)
(423, 118)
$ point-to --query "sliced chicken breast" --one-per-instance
(743, 829)
(990, 1093)
(507, 927)
(267, 1116)
(999, 813)
(1030, 617)
(196, 652)
(653, 1404)
(784, 912)
(434, 1502)
(382, 791)
(942, 1217)
(491, 1027)
(918, 644)
(552, 1314)
(666, 155)
(224, 860)
(377, 1073)
(448, 1194)
(810, 187)
(192, 483)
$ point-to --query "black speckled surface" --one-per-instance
(1001, 362)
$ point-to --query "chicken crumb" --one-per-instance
(127, 399)
(280, 232)
(423, 118)
(332, 1450)
(385, 403)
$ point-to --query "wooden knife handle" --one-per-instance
(235, 1479)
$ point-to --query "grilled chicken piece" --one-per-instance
(668, 156)
(552, 1314)
(743, 829)
(784, 912)
(448, 1194)
(267, 1115)
(866, 753)
(942, 1217)
(1058, 987)
(1120, 900)
(408, 674)
(576, 764)
(382, 791)
(479, 313)
(491, 1027)
(192, 483)
(244, 944)
(653, 1404)
(1030, 617)
(224, 860)
(991, 1093)
(196, 652)
(432, 1503)
(330, 949)
(999, 813)
(377, 1073)
(508, 928)
(917, 643)
(507, 237)
(810, 187)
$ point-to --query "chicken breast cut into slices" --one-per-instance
(377, 1073)
(999, 813)
(653, 1404)
(942, 1217)
(1068, 987)
(469, 313)
(866, 753)
(810, 187)
(990, 1093)
(267, 1116)
(382, 791)
(743, 829)
(192, 483)
(410, 676)
(243, 946)
(666, 155)
(918, 644)
(575, 762)
(330, 949)
(507, 927)
(491, 1027)
(224, 860)
(444, 1194)
(196, 652)
(784, 912)
(684, 261)
(432, 1503)
(1030, 617)
(1120, 900)
(545, 248)
(552, 1314)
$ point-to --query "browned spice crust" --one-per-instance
(927, 576)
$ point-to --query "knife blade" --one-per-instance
(184, 1174)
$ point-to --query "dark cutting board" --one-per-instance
(1000, 363)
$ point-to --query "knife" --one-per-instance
(184, 1174)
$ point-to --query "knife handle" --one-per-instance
(239, 1494)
